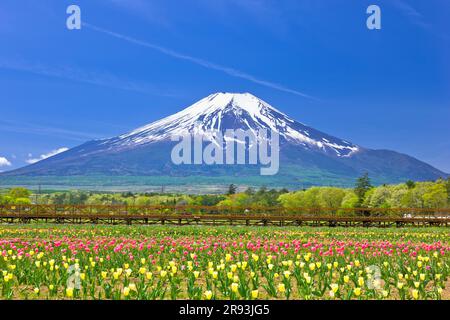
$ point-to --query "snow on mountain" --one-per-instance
(221, 111)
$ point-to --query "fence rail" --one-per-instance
(214, 215)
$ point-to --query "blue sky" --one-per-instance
(137, 61)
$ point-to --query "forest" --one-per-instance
(432, 194)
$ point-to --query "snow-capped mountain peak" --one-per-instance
(221, 111)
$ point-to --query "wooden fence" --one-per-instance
(214, 215)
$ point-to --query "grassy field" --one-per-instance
(119, 262)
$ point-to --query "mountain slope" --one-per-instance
(306, 154)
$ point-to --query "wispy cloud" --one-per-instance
(47, 155)
(415, 16)
(201, 62)
(79, 75)
(22, 127)
(5, 162)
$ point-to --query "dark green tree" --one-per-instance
(231, 189)
(362, 186)
(410, 184)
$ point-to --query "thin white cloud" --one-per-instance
(78, 75)
(47, 155)
(415, 16)
(204, 63)
(22, 127)
(5, 162)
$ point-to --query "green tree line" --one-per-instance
(410, 194)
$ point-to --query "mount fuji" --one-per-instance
(307, 156)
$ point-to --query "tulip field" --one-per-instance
(160, 262)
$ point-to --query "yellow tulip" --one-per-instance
(360, 281)
(255, 294)
(126, 291)
(234, 287)
(281, 287)
(69, 292)
(357, 292)
(334, 287)
(208, 294)
(415, 294)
